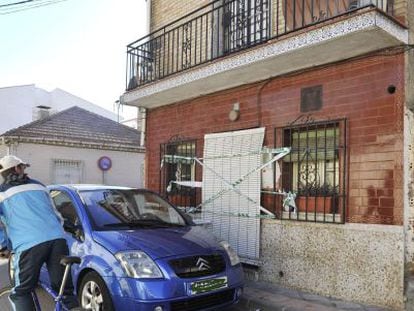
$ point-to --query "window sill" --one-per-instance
(313, 217)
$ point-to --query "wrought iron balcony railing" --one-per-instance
(226, 26)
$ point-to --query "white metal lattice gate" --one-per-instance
(232, 155)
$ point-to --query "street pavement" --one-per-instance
(260, 296)
(45, 301)
(257, 297)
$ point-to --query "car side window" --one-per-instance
(65, 207)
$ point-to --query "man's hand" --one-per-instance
(4, 253)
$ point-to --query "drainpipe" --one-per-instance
(11, 144)
(259, 101)
(6, 144)
(148, 16)
(142, 118)
(142, 112)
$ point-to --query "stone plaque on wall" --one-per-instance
(311, 98)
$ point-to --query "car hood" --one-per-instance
(160, 242)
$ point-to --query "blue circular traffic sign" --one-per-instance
(105, 163)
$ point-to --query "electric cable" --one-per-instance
(26, 5)
(15, 3)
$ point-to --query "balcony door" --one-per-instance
(239, 24)
(245, 23)
(300, 13)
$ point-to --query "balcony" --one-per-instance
(221, 44)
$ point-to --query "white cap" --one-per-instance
(9, 162)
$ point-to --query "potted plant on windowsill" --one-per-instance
(317, 198)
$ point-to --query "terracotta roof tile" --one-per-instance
(80, 125)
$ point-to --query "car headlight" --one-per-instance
(137, 264)
(234, 259)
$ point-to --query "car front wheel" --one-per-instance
(93, 293)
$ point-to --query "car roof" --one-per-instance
(88, 187)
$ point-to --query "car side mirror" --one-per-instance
(188, 218)
(68, 226)
(79, 235)
(75, 230)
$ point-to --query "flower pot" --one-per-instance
(314, 204)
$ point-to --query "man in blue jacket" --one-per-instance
(32, 230)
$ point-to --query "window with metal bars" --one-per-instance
(179, 169)
(315, 170)
(67, 171)
(178, 166)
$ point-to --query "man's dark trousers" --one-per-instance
(27, 265)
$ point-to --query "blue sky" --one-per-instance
(76, 45)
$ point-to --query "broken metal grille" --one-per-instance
(176, 169)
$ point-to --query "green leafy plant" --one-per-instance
(314, 190)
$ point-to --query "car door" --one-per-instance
(65, 205)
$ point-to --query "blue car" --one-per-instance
(139, 252)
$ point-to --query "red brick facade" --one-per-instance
(355, 90)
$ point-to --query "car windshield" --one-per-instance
(125, 209)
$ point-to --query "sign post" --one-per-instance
(104, 164)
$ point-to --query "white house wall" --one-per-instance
(409, 200)
(3, 150)
(127, 167)
(17, 104)
(409, 164)
(60, 100)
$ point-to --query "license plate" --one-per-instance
(205, 286)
